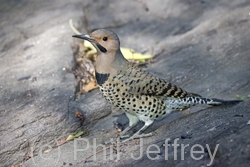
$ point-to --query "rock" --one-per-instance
(36, 93)
(206, 50)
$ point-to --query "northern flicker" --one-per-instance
(141, 95)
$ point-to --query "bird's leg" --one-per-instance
(123, 133)
(138, 133)
(133, 120)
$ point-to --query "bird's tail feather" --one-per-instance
(186, 102)
(215, 102)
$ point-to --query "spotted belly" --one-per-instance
(141, 105)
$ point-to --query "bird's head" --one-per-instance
(105, 41)
(107, 44)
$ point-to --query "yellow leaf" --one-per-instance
(87, 44)
(73, 28)
(130, 54)
(79, 134)
(70, 137)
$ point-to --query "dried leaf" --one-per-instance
(78, 114)
(90, 86)
(60, 142)
(47, 151)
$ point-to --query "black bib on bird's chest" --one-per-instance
(101, 78)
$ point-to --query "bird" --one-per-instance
(141, 95)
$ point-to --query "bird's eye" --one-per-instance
(105, 38)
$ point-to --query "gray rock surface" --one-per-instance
(204, 46)
(37, 104)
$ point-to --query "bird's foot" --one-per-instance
(122, 136)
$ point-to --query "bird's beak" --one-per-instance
(83, 36)
(91, 40)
